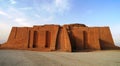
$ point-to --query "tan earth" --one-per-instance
(34, 58)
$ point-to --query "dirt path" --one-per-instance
(33, 58)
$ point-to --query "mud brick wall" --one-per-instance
(69, 37)
(67, 43)
(93, 39)
(106, 40)
(78, 39)
(18, 38)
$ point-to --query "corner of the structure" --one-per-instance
(17, 39)
(106, 39)
(12, 34)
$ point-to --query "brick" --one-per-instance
(106, 40)
(78, 38)
(93, 39)
(70, 37)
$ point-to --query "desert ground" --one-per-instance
(35, 58)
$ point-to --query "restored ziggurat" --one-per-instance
(71, 37)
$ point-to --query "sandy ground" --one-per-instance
(34, 58)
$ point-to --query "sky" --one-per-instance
(38, 12)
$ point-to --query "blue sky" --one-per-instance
(37, 12)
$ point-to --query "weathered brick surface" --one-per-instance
(12, 34)
(78, 39)
(18, 38)
(106, 40)
(93, 39)
(60, 40)
(67, 43)
(40, 39)
(71, 37)
(31, 38)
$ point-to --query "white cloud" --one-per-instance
(48, 19)
(45, 20)
(22, 22)
(26, 8)
(12, 1)
(19, 17)
(19, 20)
(4, 33)
(47, 10)
(4, 14)
(54, 6)
(15, 13)
(116, 38)
(115, 33)
(38, 16)
(62, 5)
(45, 13)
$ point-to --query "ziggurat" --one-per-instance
(68, 38)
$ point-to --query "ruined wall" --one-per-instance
(73, 37)
(51, 35)
(67, 43)
(85, 35)
(22, 36)
(39, 40)
(63, 41)
(85, 38)
(106, 40)
(78, 39)
(60, 39)
(12, 34)
(93, 39)
(44, 36)
(18, 38)
(31, 38)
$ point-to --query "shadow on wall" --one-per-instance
(77, 46)
(67, 38)
(106, 45)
